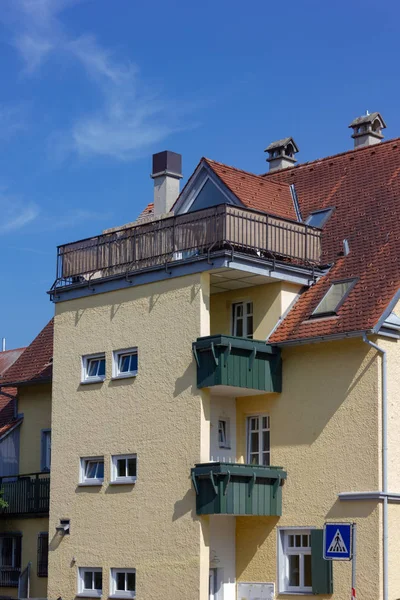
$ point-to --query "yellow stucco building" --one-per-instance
(225, 382)
(25, 456)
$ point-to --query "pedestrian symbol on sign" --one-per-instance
(337, 541)
(337, 545)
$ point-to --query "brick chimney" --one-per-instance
(281, 154)
(367, 129)
(167, 172)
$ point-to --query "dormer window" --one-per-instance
(333, 299)
(318, 218)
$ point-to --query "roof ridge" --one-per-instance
(330, 157)
(216, 162)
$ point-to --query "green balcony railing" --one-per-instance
(224, 360)
(238, 489)
(25, 494)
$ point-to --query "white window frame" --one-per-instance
(283, 562)
(260, 437)
(82, 591)
(226, 443)
(117, 354)
(13, 538)
(246, 314)
(83, 480)
(114, 469)
(85, 363)
(114, 593)
(45, 451)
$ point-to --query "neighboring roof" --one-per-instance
(35, 363)
(8, 357)
(363, 186)
(367, 119)
(256, 192)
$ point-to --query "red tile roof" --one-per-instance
(35, 364)
(8, 395)
(363, 186)
(6, 428)
(8, 357)
(255, 191)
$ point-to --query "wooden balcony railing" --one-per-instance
(25, 494)
(180, 237)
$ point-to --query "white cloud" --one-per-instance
(16, 214)
(130, 118)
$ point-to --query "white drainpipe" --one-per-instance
(384, 466)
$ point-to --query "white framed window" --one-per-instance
(223, 433)
(93, 368)
(124, 468)
(123, 583)
(295, 574)
(45, 450)
(92, 471)
(125, 363)
(258, 440)
(242, 319)
(90, 582)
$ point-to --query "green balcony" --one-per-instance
(236, 365)
(238, 489)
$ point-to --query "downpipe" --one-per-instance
(382, 352)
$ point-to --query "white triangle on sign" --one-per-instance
(337, 544)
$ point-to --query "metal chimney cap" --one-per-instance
(167, 163)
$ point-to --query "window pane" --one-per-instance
(131, 467)
(254, 423)
(87, 580)
(265, 459)
(98, 580)
(120, 581)
(121, 467)
(100, 470)
(124, 363)
(239, 310)
(254, 459)
(92, 367)
(91, 468)
(265, 437)
(290, 541)
(102, 368)
(134, 362)
(298, 541)
(307, 570)
(130, 582)
(305, 541)
(7, 552)
(249, 327)
(249, 308)
(265, 422)
(254, 442)
(332, 298)
(294, 573)
(239, 328)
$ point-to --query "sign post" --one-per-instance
(340, 544)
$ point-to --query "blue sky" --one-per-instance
(91, 88)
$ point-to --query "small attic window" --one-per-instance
(333, 299)
(318, 218)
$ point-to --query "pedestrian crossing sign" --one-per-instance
(338, 541)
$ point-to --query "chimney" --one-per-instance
(281, 154)
(167, 171)
(367, 129)
(3, 344)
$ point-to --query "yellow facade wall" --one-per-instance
(30, 528)
(325, 432)
(35, 403)
(160, 415)
(269, 303)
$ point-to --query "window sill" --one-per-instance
(89, 594)
(125, 481)
(305, 593)
(97, 482)
(115, 378)
(88, 381)
(122, 595)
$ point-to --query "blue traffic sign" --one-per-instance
(338, 541)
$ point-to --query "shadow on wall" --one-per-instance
(257, 530)
(186, 505)
(56, 540)
(186, 381)
(312, 398)
(352, 510)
